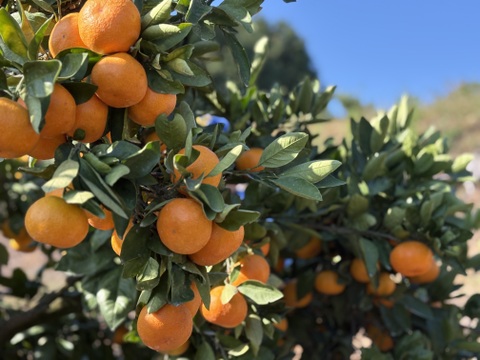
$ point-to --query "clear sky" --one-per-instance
(378, 50)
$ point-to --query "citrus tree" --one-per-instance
(204, 224)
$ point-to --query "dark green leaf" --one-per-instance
(227, 160)
(204, 352)
(237, 218)
(149, 277)
(196, 11)
(3, 255)
(158, 14)
(115, 298)
(370, 256)
(172, 132)
(254, 332)
(34, 45)
(241, 58)
(142, 162)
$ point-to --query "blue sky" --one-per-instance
(378, 50)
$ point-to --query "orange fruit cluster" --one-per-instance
(20, 241)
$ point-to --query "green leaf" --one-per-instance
(12, 35)
(115, 297)
(370, 256)
(74, 66)
(158, 14)
(102, 191)
(80, 90)
(204, 352)
(149, 277)
(34, 45)
(417, 307)
(254, 332)
(160, 82)
(40, 77)
(166, 36)
(227, 160)
(313, 171)
(141, 163)
(210, 196)
(172, 132)
(298, 187)
(196, 11)
(116, 173)
(78, 197)
(241, 58)
(235, 218)
(260, 293)
(200, 76)
(63, 176)
(283, 150)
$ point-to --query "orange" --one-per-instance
(227, 315)
(248, 160)
(102, 224)
(290, 296)
(194, 304)
(7, 230)
(51, 220)
(45, 147)
(381, 338)
(121, 80)
(183, 227)
(203, 164)
(90, 120)
(65, 35)
(180, 350)
(326, 282)
(60, 115)
(311, 249)
(411, 258)
(430, 276)
(119, 333)
(166, 329)
(17, 137)
(221, 245)
(265, 248)
(282, 325)
(358, 270)
(117, 242)
(22, 242)
(252, 267)
(109, 26)
(151, 106)
(386, 286)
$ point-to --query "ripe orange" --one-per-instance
(221, 245)
(180, 350)
(227, 315)
(119, 333)
(91, 119)
(183, 227)
(203, 164)
(102, 224)
(17, 137)
(290, 295)
(248, 160)
(194, 304)
(381, 338)
(326, 282)
(22, 242)
(7, 230)
(152, 105)
(121, 80)
(108, 27)
(51, 220)
(252, 267)
(386, 286)
(282, 325)
(117, 242)
(166, 329)
(411, 258)
(65, 35)
(60, 115)
(358, 270)
(45, 147)
(311, 249)
(430, 276)
(265, 248)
